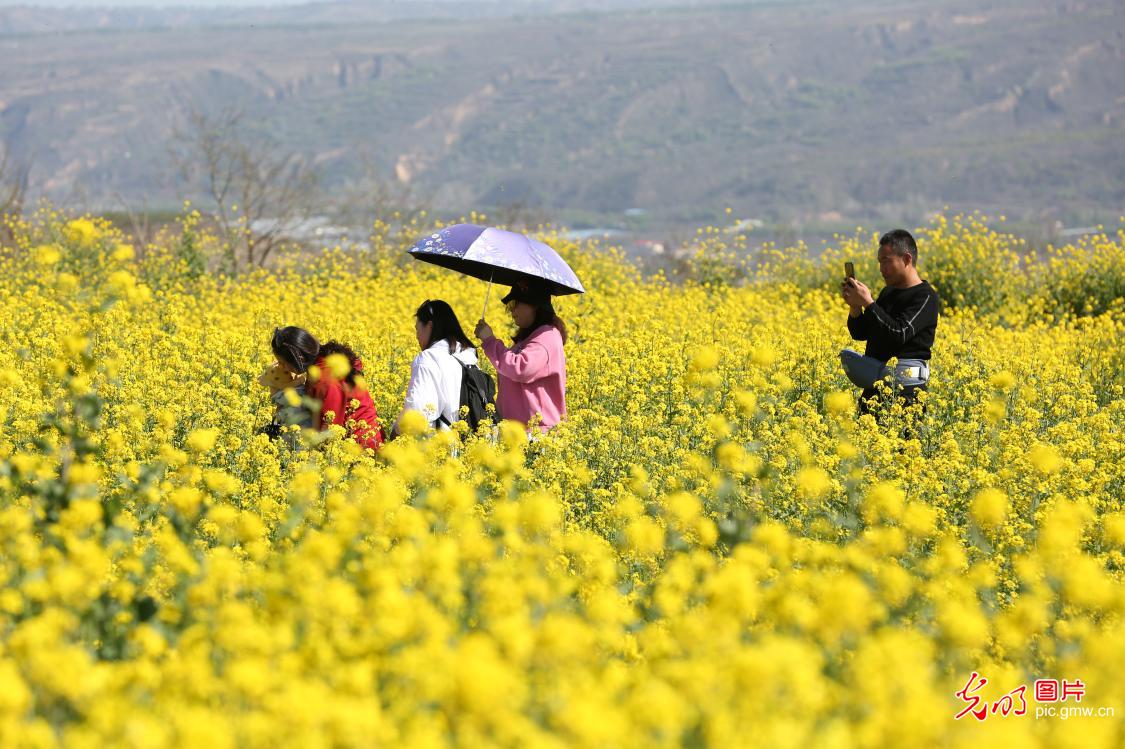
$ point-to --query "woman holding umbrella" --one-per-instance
(532, 372)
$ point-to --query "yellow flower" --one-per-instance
(1114, 525)
(67, 283)
(884, 501)
(995, 410)
(1002, 380)
(704, 359)
(15, 697)
(75, 344)
(121, 283)
(150, 641)
(963, 624)
(813, 482)
(186, 500)
(47, 255)
(684, 508)
(82, 232)
(718, 426)
(539, 513)
(644, 537)
(1045, 458)
(85, 473)
(412, 423)
(202, 440)
(338, 365)
(746, 401)
(513, 434)
(839, 403)
(220, 482)
(764, 356)
(990, 507)
(706, 531)
(919, 519)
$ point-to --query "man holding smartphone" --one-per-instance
(901, 323)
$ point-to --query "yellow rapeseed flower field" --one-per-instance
(713, 550)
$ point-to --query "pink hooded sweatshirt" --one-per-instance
(532, 376)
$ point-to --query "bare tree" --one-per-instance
(141, 227)
(260, 194)
(13, 191)
(370, 198)
(379, 205)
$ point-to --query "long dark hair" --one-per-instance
(544, 315)
(298, 348)
(354, 363)
(295, 346)
(446, 326)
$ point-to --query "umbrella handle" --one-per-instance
(487, 294)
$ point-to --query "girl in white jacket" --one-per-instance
(435, 374)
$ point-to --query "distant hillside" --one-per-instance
(26, 19)
(792, 111)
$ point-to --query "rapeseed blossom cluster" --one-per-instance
(713, 550)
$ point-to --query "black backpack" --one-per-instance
(478, 390)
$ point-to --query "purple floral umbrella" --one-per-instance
(499, 256)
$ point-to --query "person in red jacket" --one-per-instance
(342, 401)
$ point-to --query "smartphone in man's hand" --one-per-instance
(849, 270)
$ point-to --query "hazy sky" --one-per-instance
(143, 3)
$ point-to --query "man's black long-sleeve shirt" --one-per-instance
(900, 323)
